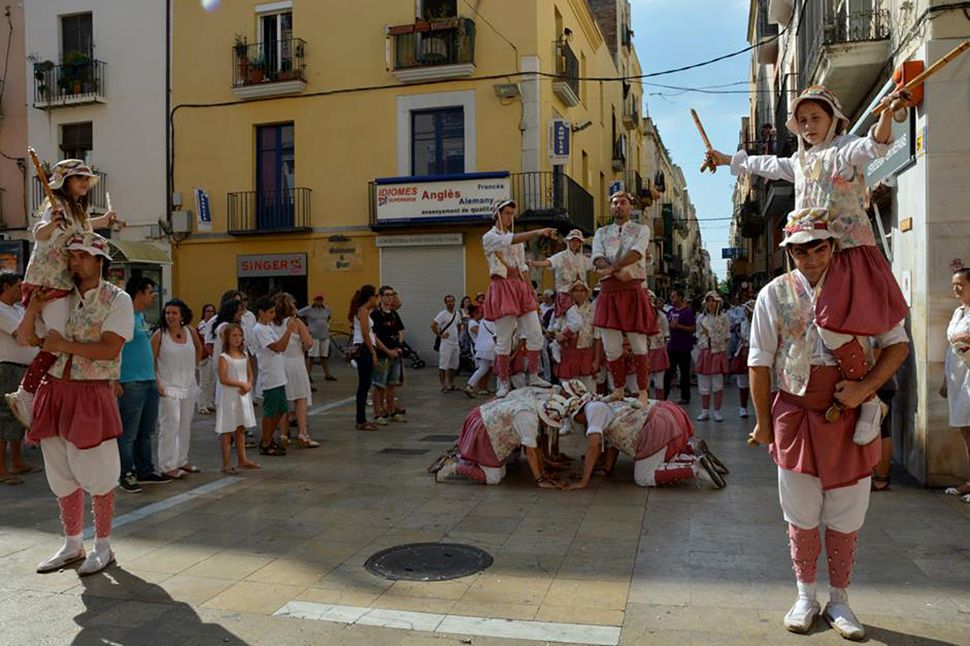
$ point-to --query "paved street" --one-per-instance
(210, 559)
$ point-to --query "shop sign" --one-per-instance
(343, 256)
(420, 240)
(202, 210)
(559, 132)
(902, 152)
(271, 264)
(402, 200)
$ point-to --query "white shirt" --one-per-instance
(443, 318)
(498, 247)
(613, 242)
(121, 316)
(10, 350)
(853, 151)
(526, 424)
(248, 322)
(766, 332)
(598, 417)
(272, 370)
(485, 341)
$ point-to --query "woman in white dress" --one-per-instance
(235, 413)
(177, 349)
(298, 390)
(206, 373)
(956, 386)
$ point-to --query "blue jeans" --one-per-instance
(139, 418)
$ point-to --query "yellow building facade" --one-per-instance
(320, 145)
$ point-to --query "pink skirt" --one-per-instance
(473, 443)
(564, 301)
(659, 360)
(667, 426)
(84, 413)
(712, 363)
(623, 305)
(510, 296)
(576, 362)
(860, 296)
(806, 443)
(739, 362)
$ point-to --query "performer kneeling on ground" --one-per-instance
(620, 256)
(713, 334)
(510, 302)
(76, 419)
(823, 476)
(657, 437)
(494, 430)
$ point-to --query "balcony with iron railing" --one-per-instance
(276, 211)
(432, 50)
(79, 80)
(619, 153)
(97, 196)
(631, 113)
(554, 199)
(272, 68)
(843, 50)
(566, 83)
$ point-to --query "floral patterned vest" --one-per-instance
(584, 336)
(513, 255)
(617, 242)
(569, 267)
(713, 332)
(48, 265)
(497, 416)
(88, 313)
(796, 312)
(845, 199)
(624, 431)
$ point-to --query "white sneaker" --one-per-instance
(538, 382)
(870, 418)
(704, 416)
(718, 417)
(802, 615)
(841, 617)
(742, 413)
(503, 389)
(21, 403)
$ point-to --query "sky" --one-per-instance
(675, 33)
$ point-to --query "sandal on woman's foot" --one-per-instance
(174, 474)
(879, 479)
(249, 465)
(230, 471)
(304, 442)
(367, 426)
(190, 468)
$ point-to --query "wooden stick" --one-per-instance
(707, 142)
(928, 72)
(42, 176)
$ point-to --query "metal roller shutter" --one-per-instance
(422, 277)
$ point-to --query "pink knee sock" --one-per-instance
(502, 366)
(705, 402)
(806, 545)
(72, 512)
(643, 372)
(672, 472)
(718, 399)
(534, 362)
(841, 554)
(104, 513)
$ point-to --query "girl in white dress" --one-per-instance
(235, 412)
(298, 390)
(177, 349)
(956, 384)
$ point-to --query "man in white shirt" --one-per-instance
(823, 475)
(272, 372)
(14, 359)
(447, 328)
(620, 255)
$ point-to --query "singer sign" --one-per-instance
(441, 198)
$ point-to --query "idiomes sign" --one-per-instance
(439, 198)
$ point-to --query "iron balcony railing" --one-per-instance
(281, 59)
(277, 211)
(97, 196)
(567, 67)
(823, 25)
(434, 42)
(80, 79)
(553, 197)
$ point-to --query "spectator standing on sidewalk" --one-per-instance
(206, 373)
(389, 335)
(362, 304)
(14, 359)
(446, 327)
(138, 395)
(317, 317)
(682, 328)
(271, 381)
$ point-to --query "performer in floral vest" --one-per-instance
(620, 254)
(578, 348)
(510, 302)
(569, 266)
(713, 334)
(823, 475)
(75, 412)
(494, 430)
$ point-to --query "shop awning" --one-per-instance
(137, 251)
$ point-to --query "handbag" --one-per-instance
(437, 339)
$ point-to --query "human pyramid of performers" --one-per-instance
(822, 339)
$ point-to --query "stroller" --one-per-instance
(409, 353)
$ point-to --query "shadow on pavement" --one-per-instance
(124, 610)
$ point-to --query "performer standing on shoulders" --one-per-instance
(76, 419)
(823, 476)
(510, 302)
(620, 256)
(569, 266)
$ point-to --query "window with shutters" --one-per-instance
(77, 141)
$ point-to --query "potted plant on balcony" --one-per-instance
(241, 48)
(257, 69)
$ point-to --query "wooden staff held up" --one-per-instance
(707, 142)
(41, 175)
(928, 72)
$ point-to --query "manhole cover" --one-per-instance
(428, 562)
